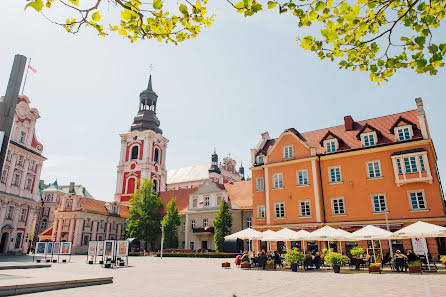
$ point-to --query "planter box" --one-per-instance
(294, 267)
(38, 260)
(373, 269)
(336, 268)
(226, 265)
(90, 262)
(270, 267)
(245, 266)
(415, 269)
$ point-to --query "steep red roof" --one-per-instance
(240, 194)
(98, 206)
(181, 195)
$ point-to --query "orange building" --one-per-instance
(380, 171)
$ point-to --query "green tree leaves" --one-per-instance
(36, 4)
(222, 224)
(171, 222)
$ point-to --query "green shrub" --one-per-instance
(336, 259)
(270, 262)
(293, 256)
(325, 251)
(414, 264)
(200, 255)
(357, 252)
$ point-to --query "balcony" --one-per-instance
(202, 230)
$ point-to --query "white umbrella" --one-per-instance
(421, 229)
(248, 234)
(345, 235)
(266, 234)
(301, 235)
(274, 237)
(287, 233)
(326, 233)
(371, 232)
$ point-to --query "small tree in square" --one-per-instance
(171, 222)
(145, 216)
(222, 225)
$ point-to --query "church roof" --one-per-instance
(188, 174)
(77, 190)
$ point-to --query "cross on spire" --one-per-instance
(151, 68)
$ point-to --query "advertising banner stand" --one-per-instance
(122, 253)
(40, 250)
(92, 252)
(109, 258)
(65, 250)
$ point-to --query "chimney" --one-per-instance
(420, 107)
(348, 123)
(71, 189)
(41, 184)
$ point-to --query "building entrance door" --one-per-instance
(204, 245)
(3, 242)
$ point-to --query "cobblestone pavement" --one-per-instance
(148, 276)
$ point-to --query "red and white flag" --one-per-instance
(201, 202)
(207, 228)
(32, 69)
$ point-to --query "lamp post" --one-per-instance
(388, 229)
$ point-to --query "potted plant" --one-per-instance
(226, 264)
(336, 260)
(326, 251)
(375, 267)
(293, 257)
(414, 267)
(245, 265)
(357, 252)
(270, 265)
(443, 260)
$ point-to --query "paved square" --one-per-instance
(148, 276)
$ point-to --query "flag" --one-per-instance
(201, 202)
(32, 69)
(207, 228)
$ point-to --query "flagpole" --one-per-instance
(26, 75)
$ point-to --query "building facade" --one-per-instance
(19, 182)
(143, 149)
(198, 207)
(380, 171)
(80, 219)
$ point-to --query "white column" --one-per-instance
(186, 231)
(78, 232)
(316, 191)
(37, 180)
(146, 152)
(70, 232)
(150, 149)
(163, 165)
(53, 234)
(123, 150)
(118, 231)
(3, 208)
(267, 208)
(94, 229)
(59, 229)
(11, 171)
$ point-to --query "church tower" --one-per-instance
(143, 149)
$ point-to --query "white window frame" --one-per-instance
(261, 212)
(16, 179)
(281, 206)
(10, 213)
(333, 209)
(288, 152)
(22, 216)
(260, 160)
(374, 170)
(368, 135)
(303, 212)
(19, 160)
(249, 222)
(207, 201)
(192, 224)
(260, 186)
(372, 197)
(22, 137)
(330, 177)
(28, 184)
(328, 145)
(219, 199)
(409, 193)
(32, 165)
(194, 201)
(205, 222)
(305, 181)
(398, 129)
(279, 184)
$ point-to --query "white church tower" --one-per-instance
(143, 149)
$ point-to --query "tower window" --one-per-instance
(155, 185)
(135, 152)
(156, 155)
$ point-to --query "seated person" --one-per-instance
(245, 257)
(262, 259)
(317, 260)
(400, 260)
(277, 260)
(308, 261)
(411, 256)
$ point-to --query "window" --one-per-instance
(101, 224)
(184, 226)
(46, 212)
(155, 185)
(205, 222)
(16, 179)
(18, 240)
(206, 201)
(417, 200)
(423, 169)
(156, 155)
(330, 146)
(338, 206)
(278, 181)
(403, 133)
(373, 169)
(219, 200)
(29, 183)
(305, 209)
(192, 245)
(88, 223)
(20, 160)
(302, 177)
(49, 197)
(194, 202)
(280, 210)
(86, 240)
(398, 164)
(410, 164)
(10, 213)
(135, 153)
(32, 165)
(369, 139)
(22, 215)
(379, 203)
(261, 212)
(288, 152)
(44, 224)
(22, 137)
(114, 226)
(335, 174)
(260, 160)
(192, 224)
(248, 222)
(260, 185)
(8, 155)
(4, 175)
(69, 202)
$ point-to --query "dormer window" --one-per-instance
(260, 160)
(331, 146)
(22, 137)
(288, 152)
(194, 202)
(69, 203)
(369, 139)
(404, 133)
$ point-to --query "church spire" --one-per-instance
(241, 170)
(146, 118)
(214, 164)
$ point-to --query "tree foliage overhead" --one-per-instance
(222, 225)
(377, 36)
(171, 222)
(144, 221)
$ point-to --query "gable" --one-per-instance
(300, 149)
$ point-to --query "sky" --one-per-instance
(239, 78)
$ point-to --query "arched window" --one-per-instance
(156, 155)
(155, 187)
(131, 185)
(44, 224)
(135, 151)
